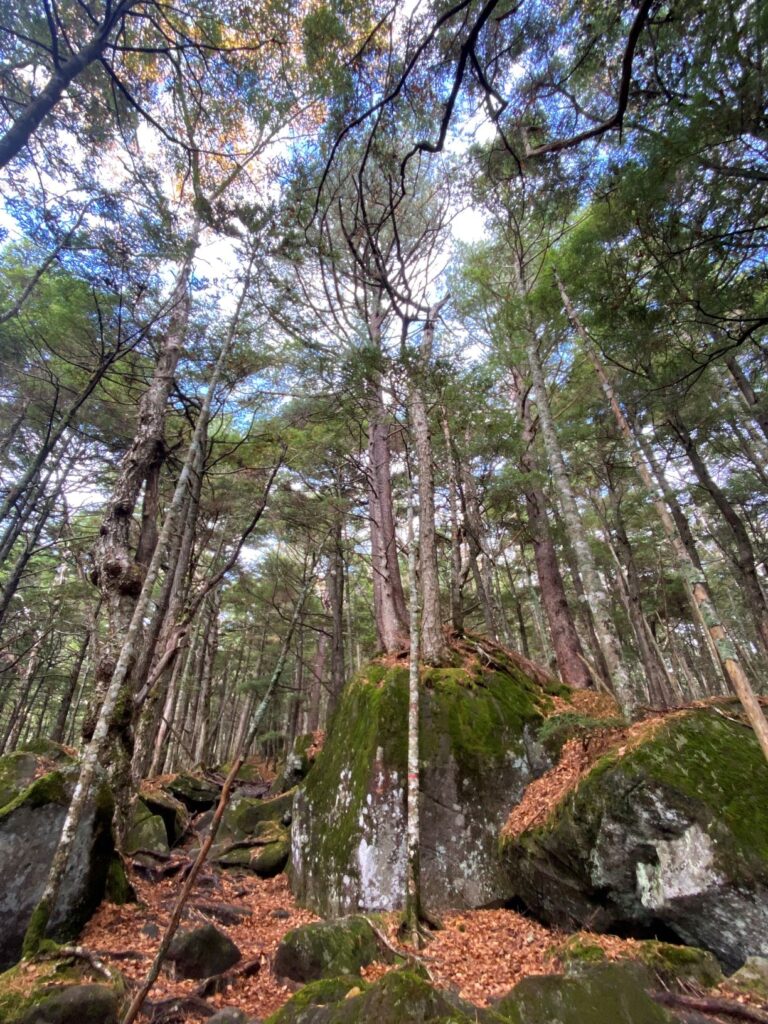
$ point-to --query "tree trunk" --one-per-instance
(413, 790)
(597, 597)
(569, 654)
(457, 604)
(744, 560)
(751, 401)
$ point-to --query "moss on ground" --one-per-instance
(558, 729)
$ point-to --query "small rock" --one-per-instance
(280, 914)
(270, 860)
(203, 952)
(231, 1015)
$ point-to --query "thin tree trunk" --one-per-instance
(457, 604)
(744, 560)
(413, 789)
(751, 401)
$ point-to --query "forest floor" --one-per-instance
(480, 954)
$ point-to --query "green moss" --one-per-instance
(372, 712)
(48, 789)
(317, 993)
(600, 994)
(675, 964)
(244, 815)
(17, 771)
(35, 933)
(328, 949)
(400, 997)
(579, 950)
(558, 729)
(271, 859)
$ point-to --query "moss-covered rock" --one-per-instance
(478, 753)
(671, 835)
(194, 791)
(327, 949)
(146, 831)
(672, 965)
(172, 811)
(271, 859)
(599, 994)
(17, 771)
(245, 814)
(59, 991)
(30, 825)
(202, 952)
(400, 997)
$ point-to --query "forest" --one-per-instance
(383, 511)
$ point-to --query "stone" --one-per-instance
(246, 814)
(674, 966)
(146, 831)
(59, 991)
(328, 948)
(599, 994)
(202, 952)
(297, 764)
(77, 1004)
(669, 837)
(400, 997)
(478, 753)
(231, 1015)
(172, 811)
(752, 977)
(195, 792)
(30, 825)
(271, 859)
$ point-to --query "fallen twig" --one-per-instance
(712, 1005)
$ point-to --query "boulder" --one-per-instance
(271, 859)
(146, 831)
(599, 994)
(59, 991)
(30, 825)
(195, 792)
(479, 751)
(172, 811)
(667, 835)
(327, 949)
(676, 967)
(202, 952)
(400, 997)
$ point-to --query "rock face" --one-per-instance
(671, 836)
(478, 753)
(30, 825)
(327, 949)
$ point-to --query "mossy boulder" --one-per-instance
(194, 791)
(17, 770)
(478, 753)
(146, 831)
(30, 825)
(172, 811)
(598, 994)
(202, 952)
(271, 859)
(668, 837)
(400, 997)
(245, 814)
(673, 966)
(327, 949)
(59, 991)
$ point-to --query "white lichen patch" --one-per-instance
(686, 867)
